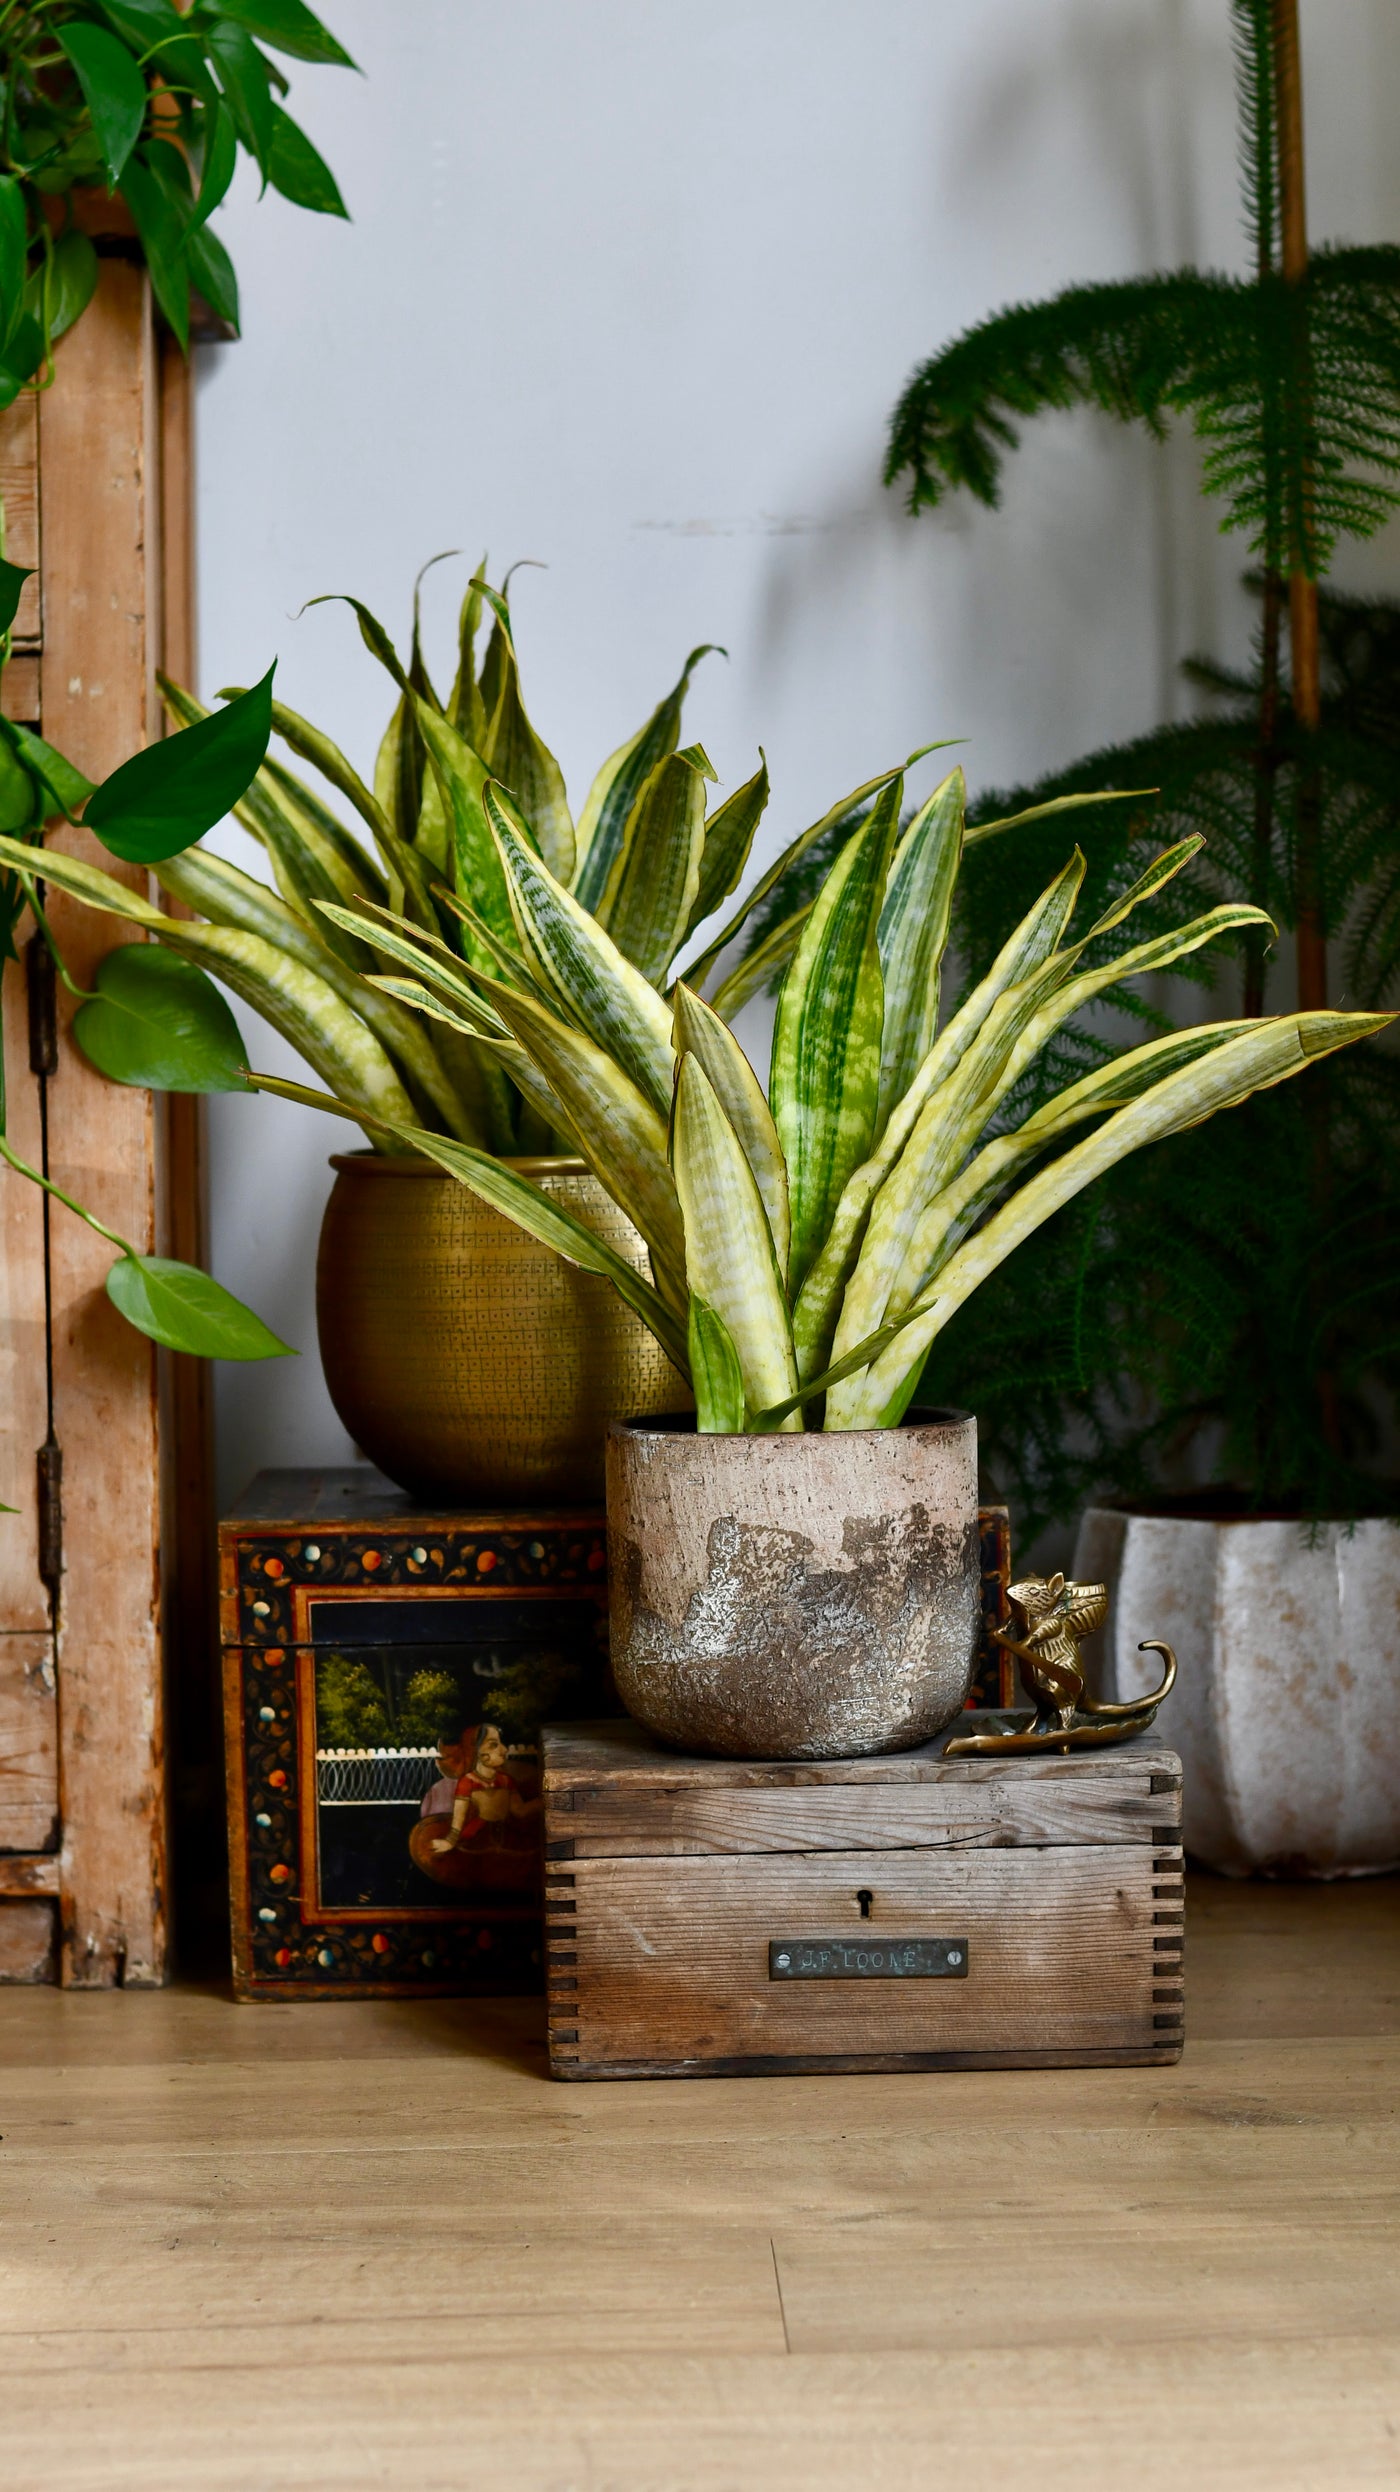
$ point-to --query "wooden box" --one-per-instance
(370, 1650)
(714, 1918)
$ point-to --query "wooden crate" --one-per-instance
(95, 474)
(714, 1918)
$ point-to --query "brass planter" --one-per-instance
(465, 1359)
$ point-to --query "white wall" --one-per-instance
(631, 289)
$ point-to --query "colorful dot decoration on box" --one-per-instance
(293, 1942)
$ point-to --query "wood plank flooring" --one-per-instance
(257, 2248)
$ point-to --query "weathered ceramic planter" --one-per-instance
(1286, 1710)
(794, 1596)
(466, 1360)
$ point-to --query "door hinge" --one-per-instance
(43, 1006)
(49, 1464)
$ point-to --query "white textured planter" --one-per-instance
(1286, 1710)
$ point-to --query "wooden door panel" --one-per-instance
(28, 1744)
(24, 1599)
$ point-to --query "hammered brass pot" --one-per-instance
(466, 1360)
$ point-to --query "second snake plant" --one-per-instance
(643, 859)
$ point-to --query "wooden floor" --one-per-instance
(343, 2246)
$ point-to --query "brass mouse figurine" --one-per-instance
(1048, 1618)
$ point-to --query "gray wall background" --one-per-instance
(631, 289)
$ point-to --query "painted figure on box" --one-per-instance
(472, 1830)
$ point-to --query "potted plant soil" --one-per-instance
(1207, 1356)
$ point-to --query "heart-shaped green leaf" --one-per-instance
(163, 800)
(212, 273)
(20, 808)
(61, 288)
(288, 26)
(160, 1024)
(163, 241)
(185, 1310)
(14, 252)
(219, 159)
(113, 90)
(299, 172)
(12, 578)
(66, 788)
(243, 77)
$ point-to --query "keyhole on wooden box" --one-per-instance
(865, 1899)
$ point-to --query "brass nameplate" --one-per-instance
(867, 1959)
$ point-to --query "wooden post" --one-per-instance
(28, 1681)
(96, 475)
(191, 1596)
(99, 487)
(1302, 587)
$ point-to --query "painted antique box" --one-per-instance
(387, 1673)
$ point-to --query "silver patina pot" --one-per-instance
(794, 1596)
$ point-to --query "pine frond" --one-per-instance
(1256, 99)
(1169, 1336)
(1127, 348)
(1293, 391)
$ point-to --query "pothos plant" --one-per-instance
(152, 102)
(151, 1017)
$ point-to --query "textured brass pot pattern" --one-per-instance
(794, 1596)
(463, 1357)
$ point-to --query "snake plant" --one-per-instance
(807, 1246)
(644, 860)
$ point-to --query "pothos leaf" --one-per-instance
(158, 1023)
(114, 90)
(168, 796)
(12, 578)
(163, 241)
(243, 76)
(184, 1309)
(295, 168)
(288, 26)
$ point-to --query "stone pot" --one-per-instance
(794, 1596)
(1286, 1709)
(464, 1358)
